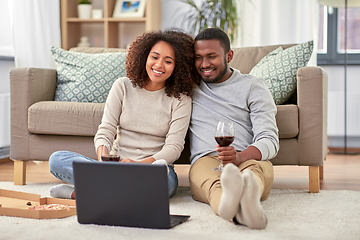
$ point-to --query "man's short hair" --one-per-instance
(215, 33)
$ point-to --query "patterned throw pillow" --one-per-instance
(279, 69)
(85, 77)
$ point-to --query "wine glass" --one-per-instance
(224, 136)
(112, 156)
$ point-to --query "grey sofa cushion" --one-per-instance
(287, 120)
(65, 118)
(72, 118)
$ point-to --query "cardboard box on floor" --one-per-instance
(14, 203)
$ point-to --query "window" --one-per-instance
(331, 46)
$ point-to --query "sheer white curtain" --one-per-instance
(36, 27)
(6, 39)
(271, 22)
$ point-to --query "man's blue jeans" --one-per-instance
(61, 167)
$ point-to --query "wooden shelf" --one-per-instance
(110, 30)
(142, 19)
(84, 20)
(128, 19)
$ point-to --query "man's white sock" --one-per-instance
(232, 185)
(62, 191)
(251, 213)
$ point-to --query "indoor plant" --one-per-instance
(213, 13)
(84, 9)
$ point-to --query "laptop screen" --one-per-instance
(122, 194)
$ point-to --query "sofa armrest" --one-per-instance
(312, 103)
(27, 86)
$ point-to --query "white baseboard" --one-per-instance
(338, 142)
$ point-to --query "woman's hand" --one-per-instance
(99, 150)
(128, 160)
(146, 160)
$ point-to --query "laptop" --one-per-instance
(123, 194)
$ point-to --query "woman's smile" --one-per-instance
(160, 65)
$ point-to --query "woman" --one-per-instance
(147, 113)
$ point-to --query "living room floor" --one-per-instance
(341, 172)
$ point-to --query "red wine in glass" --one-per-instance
(114, 156)
(224, 141)
(110, 158)
(224, 136)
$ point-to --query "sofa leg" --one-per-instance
(321, 169)
(19, 172)
(314, 179)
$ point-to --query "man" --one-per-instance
(226, 94)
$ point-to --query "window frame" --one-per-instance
(332, 57)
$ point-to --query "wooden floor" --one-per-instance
(341, 172)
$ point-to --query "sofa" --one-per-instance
(41, 126)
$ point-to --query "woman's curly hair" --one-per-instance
(183, 78)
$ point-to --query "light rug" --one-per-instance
(292, 214)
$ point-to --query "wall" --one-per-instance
(5, 65)
(336, 114)
(172, 12)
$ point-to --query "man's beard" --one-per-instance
(219, 76)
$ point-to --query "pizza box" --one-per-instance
(16, 204)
